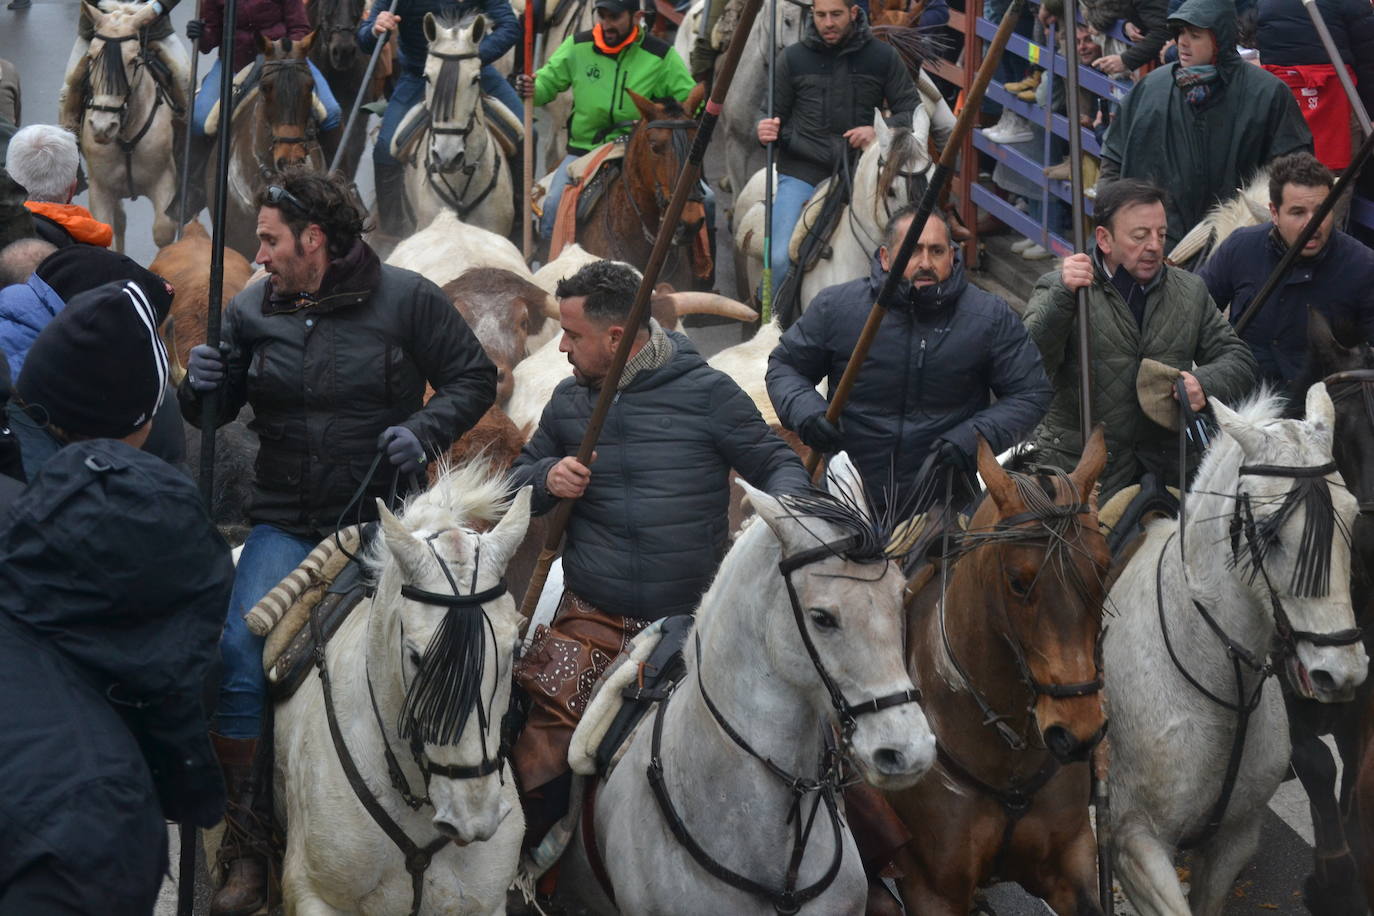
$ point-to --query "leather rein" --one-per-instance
(825, 786)
(417, 858)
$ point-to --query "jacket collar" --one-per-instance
(349, 280)
(76, 220)
(1277, 247)
(925, 303)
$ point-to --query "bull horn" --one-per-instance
(701, 303)
(551, 308)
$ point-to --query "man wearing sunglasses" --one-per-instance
(333, 354)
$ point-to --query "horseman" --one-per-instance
(826, 89)
(602, 67)
(408, 21)
(1140, 309)
(333, 354)
(172, 65)
(650, 520)
(952, 363)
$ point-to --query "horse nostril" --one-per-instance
(890, 760)
(1322, 680)
(1063, 745)
(446, 829)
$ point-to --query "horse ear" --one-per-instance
(843, 481)
(776, 516)
(302, 48)
(1322, 340)
(505, 538)
(998, 482)
(1321, 413)
(694, 100)
(402, 545)
(882, 131)
(94, 12)
(431, 28)
(647, 109)
(1250, 441)
(1091, 463)
(264, 46)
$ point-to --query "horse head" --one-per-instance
(1288, 534)
(338, 19)
(892, 172)
(288, 94)
(657, 153)
(443, 636)
(1038, 564)
(453, 92)
(113, 62)
(1349, 375)
(834, 630)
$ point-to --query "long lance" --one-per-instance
(191, 88)
(528, 231)
(209, 411)
(1319, 21)
(944, 169)
(766, 287)
(686, 181)
(362, 91)
(1085, 350)
(1281, 269)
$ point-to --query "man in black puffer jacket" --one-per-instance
(827, 87)
(650, 522)
(929, 381)
(333, 355)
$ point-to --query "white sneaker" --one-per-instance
(1036, 253)
(1016, 131)
(1020, 246)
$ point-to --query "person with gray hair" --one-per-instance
(19, 259)
(43, 159)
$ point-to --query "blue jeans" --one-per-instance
(789, 199)
(269, 555)
(556, 186)
(209, 95)
(410, 91)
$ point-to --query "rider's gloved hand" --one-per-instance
(194, 29)
(205, 368)
(952, 456)
(819, 433)
(403, 449)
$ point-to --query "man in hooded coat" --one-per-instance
(1202, 126)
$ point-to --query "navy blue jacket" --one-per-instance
(1286, 36)
(1339, 282)
(926, 378)
(646, 537)
(503, 29)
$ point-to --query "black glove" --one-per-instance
(403, 449)
(819, 433)
(205, 368)
(949, 455)
(194, 29)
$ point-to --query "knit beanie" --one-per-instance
(78, 268)
(98, 370)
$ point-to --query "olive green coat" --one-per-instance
(1182, 327)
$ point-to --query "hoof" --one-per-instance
(1338, 895)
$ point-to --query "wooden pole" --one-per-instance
(1085, 351)
(358, 99)
(1337, 62)
(686, 182)
(527, 238)
(973, 100)
(766, 286)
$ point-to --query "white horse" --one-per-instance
(778, 670)
(126, 130)
(1267, 527)
(891, 174)
(458, 165)
(398, 648)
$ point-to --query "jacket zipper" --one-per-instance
(906, 385)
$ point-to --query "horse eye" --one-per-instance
(1020, 583)
(415, 658)
(824, 620)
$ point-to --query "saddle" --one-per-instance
(502, 126)
(588, 178)
(297, 660)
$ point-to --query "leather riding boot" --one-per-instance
(244, 852)
(391, 193)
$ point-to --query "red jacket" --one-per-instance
(272, 19)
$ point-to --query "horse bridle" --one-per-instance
(128, 146)
(308, 132)
(681, 149)
(438, 180)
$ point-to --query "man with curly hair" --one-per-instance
(333, 353)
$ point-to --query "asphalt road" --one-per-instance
(38, 40)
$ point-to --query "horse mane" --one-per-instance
(107, 71)
(914, 45)
(291, 85)
(847, 510)
(904, 145)
(446, 85)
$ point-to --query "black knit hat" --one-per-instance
(78, 268)
(99, 368)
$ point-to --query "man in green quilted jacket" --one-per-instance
(1139, 308)
(599, 66)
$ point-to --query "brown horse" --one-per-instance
(273, 128)
(895, 13)
(1010, 669)
(625, 221)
